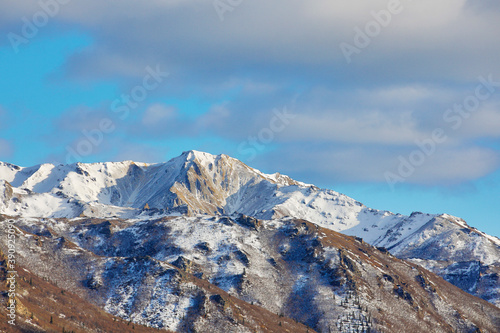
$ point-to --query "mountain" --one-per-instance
(241, 274)
(197, 182)
(129, 195)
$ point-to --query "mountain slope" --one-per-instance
(198, 182)
(242, 274)
(45, 307)
(137, 289)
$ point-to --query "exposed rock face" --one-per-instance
(6, 193)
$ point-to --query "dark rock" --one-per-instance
(203, 247)
(249, 222)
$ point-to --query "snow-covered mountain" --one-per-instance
(192, 183)
(239, 274)
(200, 183)
(195, 181)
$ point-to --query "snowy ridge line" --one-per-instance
(200, 183)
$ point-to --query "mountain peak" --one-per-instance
(205, 159)
(197, 154)
(197, 183)
(203, 182)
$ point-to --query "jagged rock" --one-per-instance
(184, 264)
(249, 222)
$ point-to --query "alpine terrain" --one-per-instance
(205, 243)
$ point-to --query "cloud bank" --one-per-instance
(354, 117)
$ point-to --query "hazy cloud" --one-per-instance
(290, 39)
(5, 149)
(139, 153)
(485, 123)
(81, 118)
(158, 114)
(341, 164)
(3, 117)
(352, 120)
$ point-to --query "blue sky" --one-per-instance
(385, 103)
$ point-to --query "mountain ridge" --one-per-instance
(200, 183)
(213, 274)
